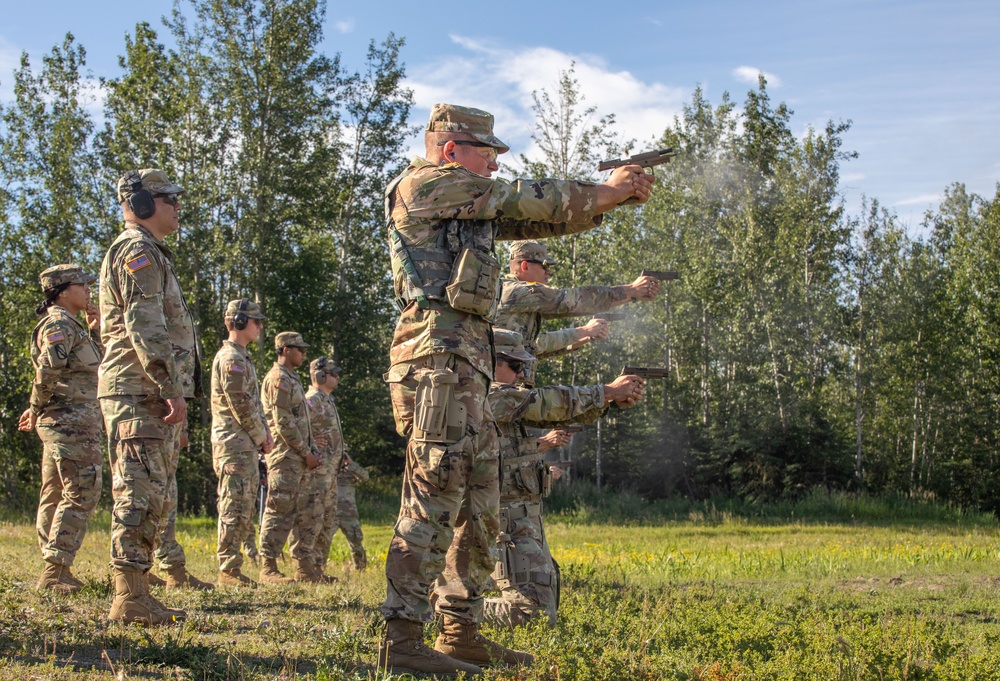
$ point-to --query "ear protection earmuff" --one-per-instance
(240, 320)
(140, 202)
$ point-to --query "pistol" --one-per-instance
(662, 275)
(646, 372)
(611, 316)
(575, 428)
(646, 159)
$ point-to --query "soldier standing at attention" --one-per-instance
(239, 435)
(526, 573)
(65, 413)
(289, 463)
(325, 376)
(527, 300)
(351, 475)
(443, 216)
(150, 369)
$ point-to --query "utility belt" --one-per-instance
(526, 475)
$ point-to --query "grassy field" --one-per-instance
(828, 588)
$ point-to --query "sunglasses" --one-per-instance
(547, 268)
(516, 365)
(169, 199)
(490, 151)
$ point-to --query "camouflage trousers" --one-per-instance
(143, 451)
(526, 573)
(71, 488)
(349, 523)
(286, 510)
(170, 553)
(239, 478)
(326, 483)
(445, 536)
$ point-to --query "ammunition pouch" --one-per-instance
(438, 417)
(474, 286)
(513, 569)
(526, 476)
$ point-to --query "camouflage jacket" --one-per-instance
(517, 407)
(524, 305)
(146, 326)
(287, 414)
(66, 356)
(325, 424)
(238, 421)
(432, 214)
(351, 473)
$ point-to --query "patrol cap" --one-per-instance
(289, 339)
(474, 122)
(152, 180)
(250, 309)
(531, 250)
(324, 364)
(510, 345)
(64, 274)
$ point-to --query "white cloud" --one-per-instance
(922, 199)
(344, 25)
(749, 74)
(502, 79)
(10, 59)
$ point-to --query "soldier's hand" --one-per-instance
(625, 391)
(268, 445)
(625, 183)
(93, 317)
(554, 438)
(645, 288)
(596, 329)
(27, 421)
(556, 472)
(178, 410)
(312, 461)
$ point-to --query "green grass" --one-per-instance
(833, 587)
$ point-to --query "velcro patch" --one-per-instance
(283, 385)
(236, 368)
(55, 337)
(136, 264)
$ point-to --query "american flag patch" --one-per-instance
(283, 385)
(309, 402)
(136, 264)
(236, 368)
(55, 337)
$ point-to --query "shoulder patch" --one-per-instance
(283, 385)
(136, 264)
(236, 368)
(55, 337)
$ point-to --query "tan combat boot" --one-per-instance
(179, 578)
(462, 641)
(153, 580)
(269, 573)
(305, 571)
(403, 651)
(133, 605)
(234, 577)
(57, 578)
(169, 612)
(360, 561)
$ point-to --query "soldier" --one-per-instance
(239, 436)
(443, 215)
(151, 368)
(325, 420)
(351, 475)
(289, 463)
(527, 300)
(526, 573)
(65, 413)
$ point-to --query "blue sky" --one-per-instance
(919, 80)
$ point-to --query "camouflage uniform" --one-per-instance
(524, 305)
(442, 224)
(66, 356)
(287, 415)
(526, 572)
(151, 356)
(350, 476)
(239, 430)
(322, 494)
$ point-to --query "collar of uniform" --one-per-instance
(60, 312)
(289, 372)
(242, 350)
(159, 244)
